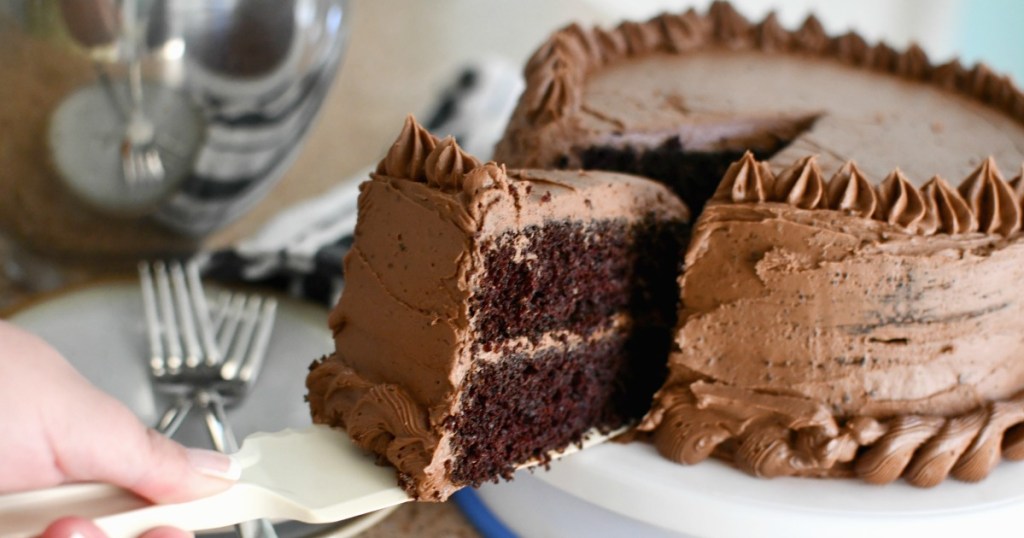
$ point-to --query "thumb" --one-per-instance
(140, 459)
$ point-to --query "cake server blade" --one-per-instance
(314, 475)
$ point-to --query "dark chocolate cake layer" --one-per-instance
(573, 275)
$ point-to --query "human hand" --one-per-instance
(58, 428)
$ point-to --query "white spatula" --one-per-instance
(313, 475)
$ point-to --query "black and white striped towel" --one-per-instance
(300, 250)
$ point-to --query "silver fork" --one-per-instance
(140, 157)
(186, 358)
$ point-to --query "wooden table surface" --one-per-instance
(400, 54)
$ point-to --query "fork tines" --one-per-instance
(176, 313)
(188, 338)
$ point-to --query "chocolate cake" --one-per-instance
(841, 329)
(490, 316)
(845, 311)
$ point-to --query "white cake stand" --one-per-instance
(614, 489)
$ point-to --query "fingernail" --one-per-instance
(214, 464)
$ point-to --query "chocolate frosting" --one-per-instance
(992, 200)
(408, 154)
(801, 185)
(447, 165)
(899, 203)
(850, 192)
(402, 328)
(898, 382)
(746, 180)
(771, 36)
(947, 211)
(717, 81)
(984, 201)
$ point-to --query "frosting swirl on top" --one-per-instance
(746, 180)
(852, 49)
(899, 202)
(811, 36)
(949, 75)
(801, 185)
(913, 63)
(682, 33)
(730, 28)
(884, 58)
(850, 192)
(554, 85)
(984, 202)
(947, 211)
(992, 200)
(408, 154)
(417, 155)
(448, 164)
(639, 38)
(771, 36)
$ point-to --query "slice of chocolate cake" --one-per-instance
(492, 315)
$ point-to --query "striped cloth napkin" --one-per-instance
(300, 250)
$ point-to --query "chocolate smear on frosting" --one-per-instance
(483, 177)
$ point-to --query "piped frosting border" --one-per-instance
(984, 202)
(556, 72)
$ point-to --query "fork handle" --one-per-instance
(174, 416)
(223, 438)
(221, 434)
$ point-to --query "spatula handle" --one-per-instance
(283, 477)
(121, 513)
